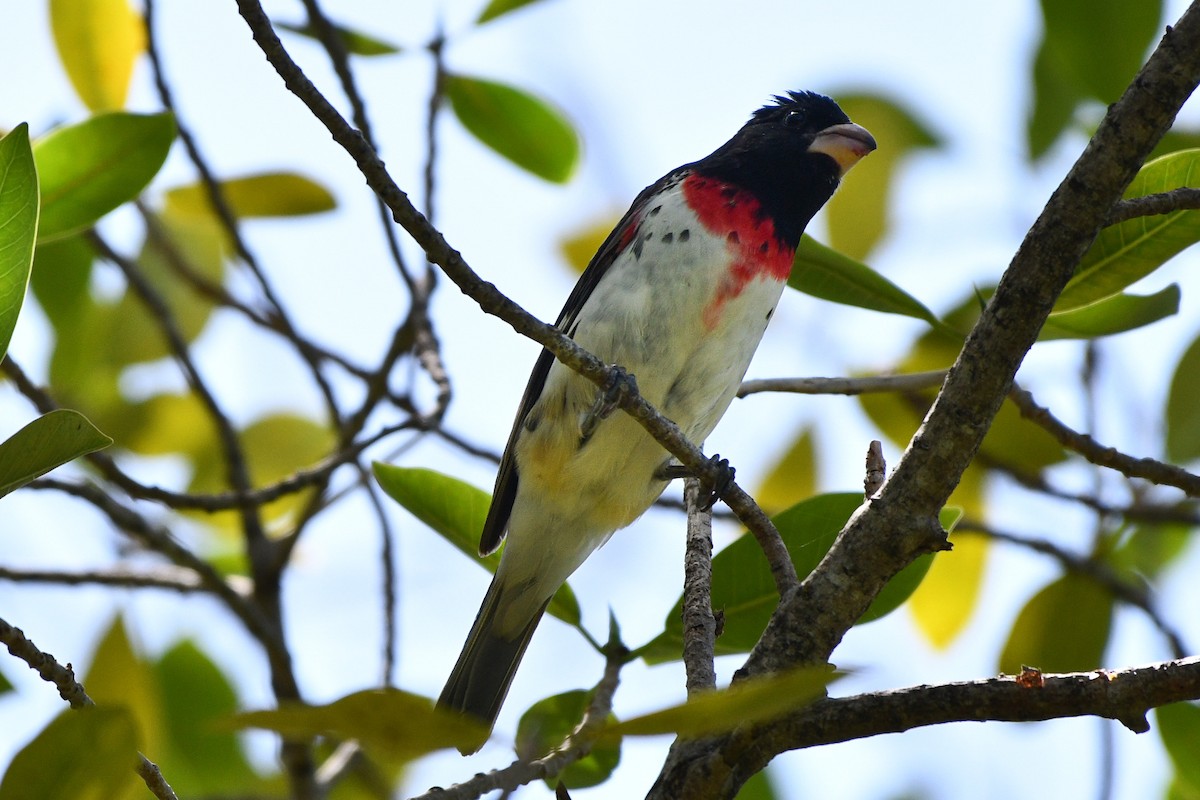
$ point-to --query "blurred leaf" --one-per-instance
(356, 42)
(1179, 727)
(1183, 408)
(579, 247)
(742, 587)
(202, 759)
(18, 226)
(87, 170)
(120, 677)
(823, 272)
(793, 478)
(98, 42)
(62, 271)
(1054, 101)
(522, 128)
(758, 787)
(497, 8)
(394, 726)
(744, 703)
(5, 685)
(198, 243)
(858, 212)
(267, 194)
(1116, 314)
(547, 724)
(275, 447)
(457, 510)
(1133, 249)
(84, 754)
(1074, 27)
(1063, 628)
(164, 424)
(1150, 547)
(48, 442)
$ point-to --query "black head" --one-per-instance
(791, 155)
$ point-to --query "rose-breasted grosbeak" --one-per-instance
(679, 295)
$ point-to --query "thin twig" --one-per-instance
(699, 623)
(1182, 199)
(912, 382)
(1146, 468)
(175, 579)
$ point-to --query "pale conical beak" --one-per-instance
(846, 144)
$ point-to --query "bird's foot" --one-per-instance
(621, 384)
(672, 470)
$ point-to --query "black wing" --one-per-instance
(622, 236)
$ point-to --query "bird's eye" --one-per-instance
(794, 118)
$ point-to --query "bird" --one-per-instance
(678, 297)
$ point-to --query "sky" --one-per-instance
(650, 85)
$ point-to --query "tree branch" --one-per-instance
(1181, 199)
(873, 383)
(699, 623)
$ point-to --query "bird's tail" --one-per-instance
(479, 681)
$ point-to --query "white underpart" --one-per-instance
(647, 315)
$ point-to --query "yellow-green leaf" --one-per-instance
(744, 703)
(793, 478)
(356, 42)
(85, 754)
(1131, 250)
(1179, 727)
(456, 510)
(858, 213)
(98, 42)
(48, 442)
(87, 170)
(62, 272)
(120, 677)
(823, 272)
(1063, 628)
(1116, 314)
(547, 724)
(523, 128)
(497, 8)
(18, 226)
(578, 248)
(394, 726)
(267, 194)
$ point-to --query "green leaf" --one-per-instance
(524, 129)
(1063, 628)
(1133, 249)
(547, 724)
(1150, 547)
(48, 442)
(1054, 101)
(1183, 407)
(394, 726)
(202, 758)
(87, 170)
(1116, 314)
(18, 226)
(1074, 27)
(457, 510)
(498, 8)
(356, 42)
(62, 272)
(120, 677)
(858, 214)
(99, 42)
(268, 194)
(5, 685)
(823, 272)
(1179, 727)
(742, 587)
(744, 703)
(85, 754)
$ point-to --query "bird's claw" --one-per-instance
(672, 470)
(621, 384)
(723, 481)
